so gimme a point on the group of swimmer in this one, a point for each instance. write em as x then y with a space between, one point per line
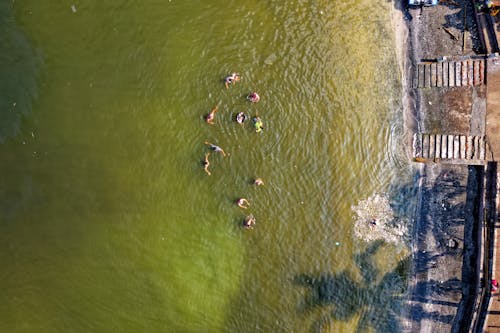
240 118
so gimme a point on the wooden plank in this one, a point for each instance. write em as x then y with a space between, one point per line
446 73
438 146
475 149
474 80
427 79
444 146
462 146
463 73
470 73
451 74
433 75
476 73
425 76
425 146
481 72
432 146
421 76
439 74
469 148
450 146
456 147
482 148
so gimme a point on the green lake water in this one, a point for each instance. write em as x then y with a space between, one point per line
108 221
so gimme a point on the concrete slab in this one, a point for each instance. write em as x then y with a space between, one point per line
446 110
441 243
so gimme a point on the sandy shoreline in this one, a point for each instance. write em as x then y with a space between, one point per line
404 50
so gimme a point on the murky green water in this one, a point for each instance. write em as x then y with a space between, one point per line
108 222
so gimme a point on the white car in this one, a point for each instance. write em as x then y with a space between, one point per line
422 2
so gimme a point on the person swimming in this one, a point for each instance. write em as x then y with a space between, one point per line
241 117
249 222
206 164
215 148
209 118
243 203
257 124
258 181
231 79
253 97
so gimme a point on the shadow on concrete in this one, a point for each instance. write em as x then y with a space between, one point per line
446 243
443 209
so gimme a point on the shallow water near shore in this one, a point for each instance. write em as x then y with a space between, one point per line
109 222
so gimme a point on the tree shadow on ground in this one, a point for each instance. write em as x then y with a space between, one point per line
19 64
445 236
444 200
445 206
377 299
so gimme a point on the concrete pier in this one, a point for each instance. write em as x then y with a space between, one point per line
454 99
492 316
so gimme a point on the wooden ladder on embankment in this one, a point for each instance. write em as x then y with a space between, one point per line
456 73
451 149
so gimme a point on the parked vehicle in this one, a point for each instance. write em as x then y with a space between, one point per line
425 3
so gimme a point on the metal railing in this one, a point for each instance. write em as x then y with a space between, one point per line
486 256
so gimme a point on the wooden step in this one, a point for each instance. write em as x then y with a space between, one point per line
449 148
468 72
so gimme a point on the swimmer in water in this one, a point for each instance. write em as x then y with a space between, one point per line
215 148
231 79
258 182
257 123
249 222
209 118
253 97
206 164
241 118
243 203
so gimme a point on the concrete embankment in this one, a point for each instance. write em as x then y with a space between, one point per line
445 95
